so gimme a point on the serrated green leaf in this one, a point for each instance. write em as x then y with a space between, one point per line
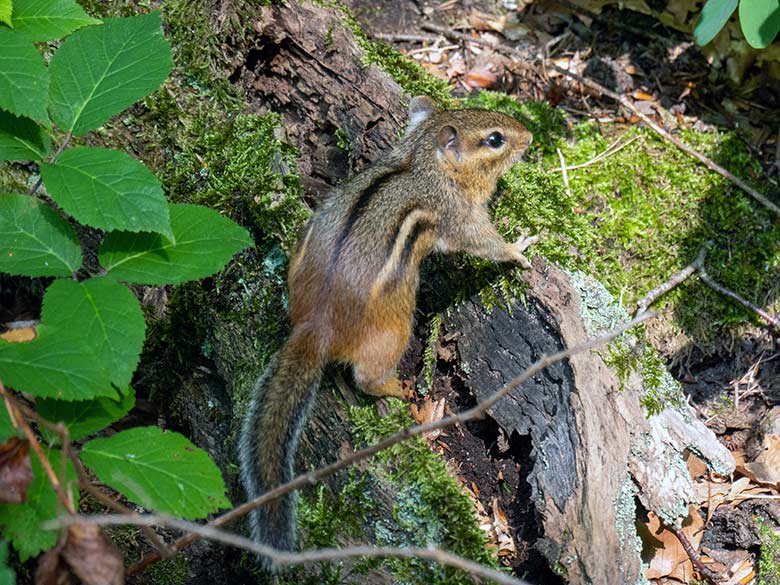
106 314
57 364
47 20
22 139
161 470
24 80
760 21
714 16
7 575
84 418
36 241
90 337
107 189
22 522
204 242
100 70
6 9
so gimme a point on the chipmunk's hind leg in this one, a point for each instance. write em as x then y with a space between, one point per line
375 361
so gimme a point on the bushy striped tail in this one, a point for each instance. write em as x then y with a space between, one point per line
280 406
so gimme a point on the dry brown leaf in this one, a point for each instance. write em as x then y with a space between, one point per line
15 470
642 96
19 335
92 557
506 544
431 411
696 467
669 558
52 569
765 468
482 21
742 573
481 77
457 67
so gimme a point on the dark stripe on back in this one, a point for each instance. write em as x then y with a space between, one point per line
357 209
397 227
419 229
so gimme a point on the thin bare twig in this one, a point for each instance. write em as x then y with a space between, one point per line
709 575
675 280
613 148
564 171
697 266
707 279
315 476
622 100
283 558
407 38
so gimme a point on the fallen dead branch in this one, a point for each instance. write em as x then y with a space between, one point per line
697 266
314 477
283 558
622 100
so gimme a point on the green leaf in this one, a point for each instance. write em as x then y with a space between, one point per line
106 315
57 364
47 20
22 522
85 417
714 16
36 241
161 470
100 70
760 21
7 429
24 80
107 189
22 139
7 575
6 9
204 242
90 338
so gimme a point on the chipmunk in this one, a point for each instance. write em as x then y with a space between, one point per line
354 276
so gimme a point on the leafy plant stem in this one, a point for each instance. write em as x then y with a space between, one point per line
51 159
15 412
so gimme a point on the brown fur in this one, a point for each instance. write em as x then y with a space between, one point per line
354 277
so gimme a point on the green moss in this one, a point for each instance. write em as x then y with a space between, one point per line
13 178
429 353
652 207
172 571
769 557
240 163
430 507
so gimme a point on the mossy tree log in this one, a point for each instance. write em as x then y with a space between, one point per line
595 448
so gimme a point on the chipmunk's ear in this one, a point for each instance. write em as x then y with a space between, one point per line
448 147
420 109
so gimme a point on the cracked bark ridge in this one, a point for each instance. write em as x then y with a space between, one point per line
304 63
594 447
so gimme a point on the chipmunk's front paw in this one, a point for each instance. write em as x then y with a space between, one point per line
520 246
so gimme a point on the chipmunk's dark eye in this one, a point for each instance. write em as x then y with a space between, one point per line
495 140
